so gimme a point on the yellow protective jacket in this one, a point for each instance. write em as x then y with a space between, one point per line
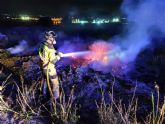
48 55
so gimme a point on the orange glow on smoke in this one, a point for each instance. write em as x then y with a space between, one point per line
99 52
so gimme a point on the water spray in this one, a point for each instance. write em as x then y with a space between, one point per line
76 54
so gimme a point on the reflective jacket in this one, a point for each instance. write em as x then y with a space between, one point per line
48 55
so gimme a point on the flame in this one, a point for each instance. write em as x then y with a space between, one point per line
105 60
99 52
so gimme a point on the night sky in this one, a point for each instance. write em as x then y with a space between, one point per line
60 7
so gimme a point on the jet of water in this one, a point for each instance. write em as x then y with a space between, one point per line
76 54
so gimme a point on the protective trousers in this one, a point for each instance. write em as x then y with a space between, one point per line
52 78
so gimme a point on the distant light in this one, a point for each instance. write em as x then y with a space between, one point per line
106 21
83 22
78 21
115 20
25 18
93 21
99 22
57 21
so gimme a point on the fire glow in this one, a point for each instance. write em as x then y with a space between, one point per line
97 52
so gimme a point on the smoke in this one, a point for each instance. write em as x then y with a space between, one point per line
2 36
145 21
3 40
21 47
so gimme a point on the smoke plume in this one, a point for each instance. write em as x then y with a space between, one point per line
21 47
145 21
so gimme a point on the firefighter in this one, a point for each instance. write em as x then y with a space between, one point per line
49 56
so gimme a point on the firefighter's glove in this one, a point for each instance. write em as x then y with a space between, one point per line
60 54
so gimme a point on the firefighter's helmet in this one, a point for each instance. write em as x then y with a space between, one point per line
50 33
